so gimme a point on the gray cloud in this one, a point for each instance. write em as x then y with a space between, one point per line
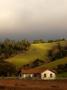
33 17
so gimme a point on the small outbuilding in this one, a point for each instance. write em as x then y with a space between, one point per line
38 73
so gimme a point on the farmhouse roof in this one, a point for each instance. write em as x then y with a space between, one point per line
35 70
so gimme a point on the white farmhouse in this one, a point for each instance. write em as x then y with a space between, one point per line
41 73
48 75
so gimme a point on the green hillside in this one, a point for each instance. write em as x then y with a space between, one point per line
55 63
36 51
62 75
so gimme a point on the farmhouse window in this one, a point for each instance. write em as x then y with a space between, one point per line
44 75
51 75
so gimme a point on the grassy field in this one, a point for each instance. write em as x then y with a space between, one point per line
62 75
36 51
55 63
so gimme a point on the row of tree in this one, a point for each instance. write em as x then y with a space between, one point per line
47 41
11 47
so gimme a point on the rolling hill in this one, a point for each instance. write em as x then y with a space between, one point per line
36 51
55 63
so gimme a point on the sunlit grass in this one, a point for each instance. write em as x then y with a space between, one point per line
36 51
56 63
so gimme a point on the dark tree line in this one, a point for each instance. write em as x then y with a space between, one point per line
61 68
38 41
57 40
47 41
7 69
11 47
35 63
58 51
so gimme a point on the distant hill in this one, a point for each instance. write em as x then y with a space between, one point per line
55 63
36 51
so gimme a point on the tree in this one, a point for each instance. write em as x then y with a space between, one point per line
7 69
50 41
56 52
36 63
9 48
38 41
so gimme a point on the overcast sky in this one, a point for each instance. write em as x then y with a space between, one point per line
33 18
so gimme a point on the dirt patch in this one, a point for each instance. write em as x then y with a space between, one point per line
33 85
